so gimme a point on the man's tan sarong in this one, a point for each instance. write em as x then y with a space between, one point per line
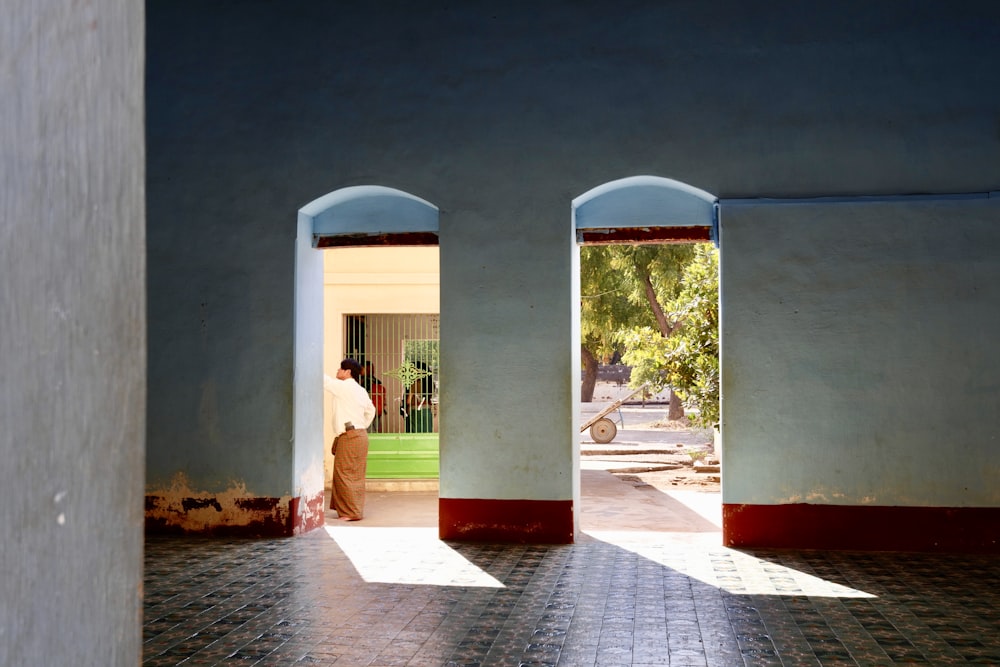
349 467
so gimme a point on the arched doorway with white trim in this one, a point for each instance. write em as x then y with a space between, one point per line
638 210
362 218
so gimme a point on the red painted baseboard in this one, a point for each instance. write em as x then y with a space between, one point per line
506 521
862 528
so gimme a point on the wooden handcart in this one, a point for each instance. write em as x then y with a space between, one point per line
604 430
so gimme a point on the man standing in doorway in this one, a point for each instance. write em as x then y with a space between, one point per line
353 411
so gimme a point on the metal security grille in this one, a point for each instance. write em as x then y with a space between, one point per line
400 354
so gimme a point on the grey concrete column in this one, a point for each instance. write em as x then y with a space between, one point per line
72 332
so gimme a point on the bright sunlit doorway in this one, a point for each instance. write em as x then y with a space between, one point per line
636 223
364 256
381 307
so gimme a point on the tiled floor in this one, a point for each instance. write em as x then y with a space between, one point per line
386 592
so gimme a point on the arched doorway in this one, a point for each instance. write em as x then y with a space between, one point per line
352 217
635 211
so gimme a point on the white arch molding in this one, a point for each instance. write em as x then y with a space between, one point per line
371 215
365 215
645 209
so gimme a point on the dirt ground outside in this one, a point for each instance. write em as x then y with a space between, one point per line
648 450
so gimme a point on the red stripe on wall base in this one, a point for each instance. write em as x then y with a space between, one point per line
506 521
862 528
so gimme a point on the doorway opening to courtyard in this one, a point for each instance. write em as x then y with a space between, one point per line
652 236
372 294
381 308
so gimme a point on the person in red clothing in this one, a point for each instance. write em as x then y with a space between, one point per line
376 390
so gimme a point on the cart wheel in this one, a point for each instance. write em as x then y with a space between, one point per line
603 431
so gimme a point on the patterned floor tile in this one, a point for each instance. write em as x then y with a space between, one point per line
389 597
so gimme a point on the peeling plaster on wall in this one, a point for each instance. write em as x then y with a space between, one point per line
309 511
818 495
308 514
826 496
529 528
181 508
312 478
822 495
831 496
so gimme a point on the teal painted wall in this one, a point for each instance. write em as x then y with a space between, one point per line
500 115
860 365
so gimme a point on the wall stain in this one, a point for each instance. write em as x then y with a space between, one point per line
179 509
198 503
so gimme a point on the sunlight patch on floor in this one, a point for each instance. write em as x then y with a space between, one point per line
735 571
407 556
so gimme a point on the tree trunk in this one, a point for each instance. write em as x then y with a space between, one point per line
654 304
676 410
590 364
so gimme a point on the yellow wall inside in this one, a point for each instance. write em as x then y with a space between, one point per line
371 280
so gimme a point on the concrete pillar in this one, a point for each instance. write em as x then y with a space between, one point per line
508 448
72 332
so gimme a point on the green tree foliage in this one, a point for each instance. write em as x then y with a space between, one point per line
604 304
603 307
688 359
622 287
